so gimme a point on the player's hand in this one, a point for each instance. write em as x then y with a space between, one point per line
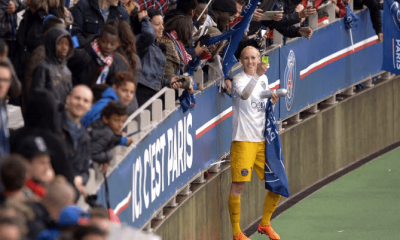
274 98
261 68
380 37
277 17
129 142
257 15
228 84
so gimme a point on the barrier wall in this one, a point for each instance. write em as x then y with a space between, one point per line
321 145
183 145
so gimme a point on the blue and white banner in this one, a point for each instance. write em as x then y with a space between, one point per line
275 173
391 36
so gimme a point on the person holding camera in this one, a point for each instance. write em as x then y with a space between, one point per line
248 142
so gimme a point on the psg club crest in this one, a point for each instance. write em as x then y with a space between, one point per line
289 78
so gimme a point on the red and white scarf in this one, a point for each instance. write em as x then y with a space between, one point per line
184 56
106 61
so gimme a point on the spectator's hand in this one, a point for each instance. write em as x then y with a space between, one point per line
274 98
78 182
306 32
69 19
307 11
104 167
191 90
11 8
199 50
380 37
277 17
261 68
257 15
142 14
129 142
174 83
228 84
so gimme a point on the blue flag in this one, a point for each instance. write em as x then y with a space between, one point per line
275 173
234 35
350 18
391 39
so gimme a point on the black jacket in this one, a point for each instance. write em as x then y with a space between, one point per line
85 66
53 73
29 37
88 19
79 156
7 29
103 140
41 222
41 121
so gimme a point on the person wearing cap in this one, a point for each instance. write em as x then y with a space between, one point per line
69 219
40 173
74 134
224 13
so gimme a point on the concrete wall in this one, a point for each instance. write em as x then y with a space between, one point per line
319 146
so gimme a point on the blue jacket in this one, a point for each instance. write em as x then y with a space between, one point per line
153 59
95 112
88 19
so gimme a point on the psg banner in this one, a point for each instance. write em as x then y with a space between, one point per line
391 36
275 173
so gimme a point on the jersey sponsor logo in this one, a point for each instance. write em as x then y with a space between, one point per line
259 106
263 85
289 79
244 172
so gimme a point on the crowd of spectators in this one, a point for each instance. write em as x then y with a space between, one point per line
78 72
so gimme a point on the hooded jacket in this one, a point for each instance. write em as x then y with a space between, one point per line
103 140
53 73
88 19
40 121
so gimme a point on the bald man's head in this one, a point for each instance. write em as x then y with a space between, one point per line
79 102
60 193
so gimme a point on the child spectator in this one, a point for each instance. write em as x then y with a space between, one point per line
13 176
40 173
53 74
123 90
96 62
106 133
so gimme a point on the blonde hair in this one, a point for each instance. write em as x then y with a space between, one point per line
248 47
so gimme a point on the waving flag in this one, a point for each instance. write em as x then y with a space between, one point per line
349 21
234 35
391 39
275 173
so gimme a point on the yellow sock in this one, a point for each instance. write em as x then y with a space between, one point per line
271 201
234 213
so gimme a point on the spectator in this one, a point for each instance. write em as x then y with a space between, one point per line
205 19
122 90
38 55
375 14
185 8
52 73
161 5
106 132
74 134
96 62
100 218
89 233
9 229
15 87
129 5
340 8
224 13
40 173
30 33
13 176
5 83
8 20
41 121
91 15
59 194
147 30
178 33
